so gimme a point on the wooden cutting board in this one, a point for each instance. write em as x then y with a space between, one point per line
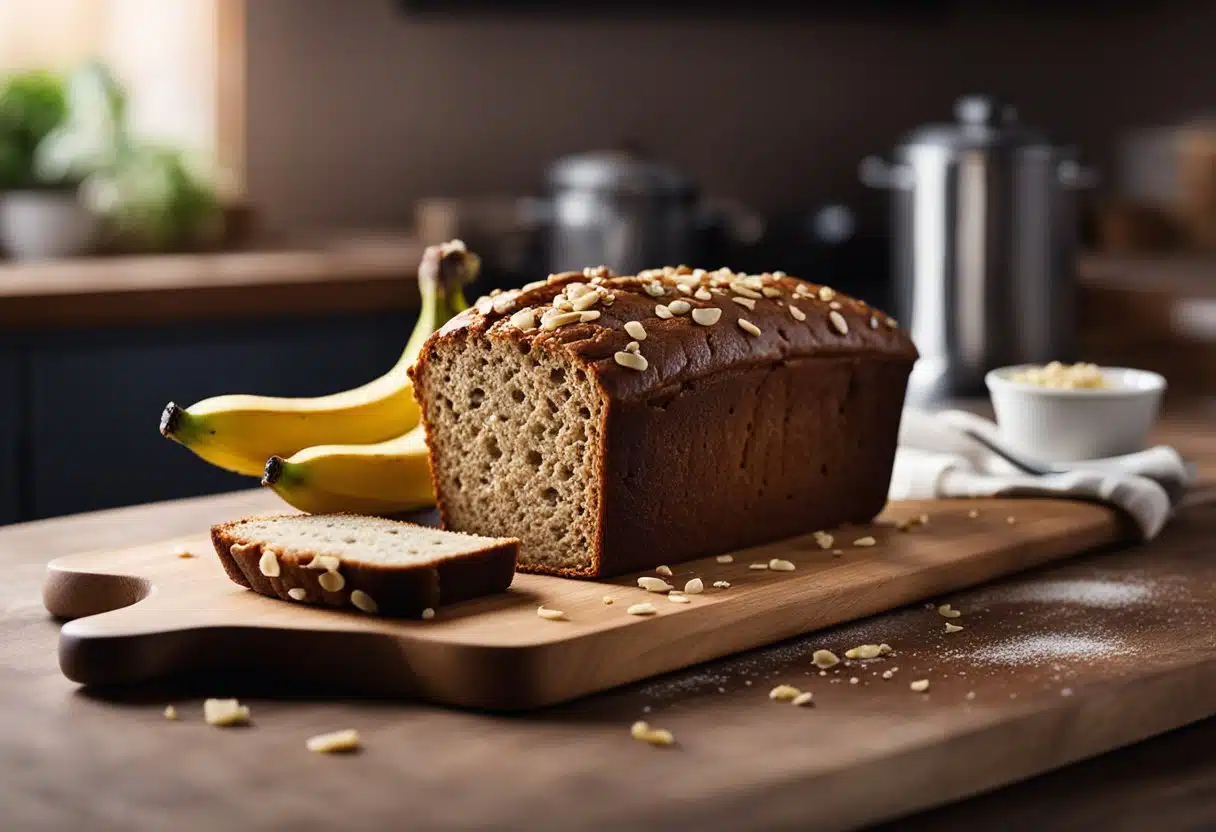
146 613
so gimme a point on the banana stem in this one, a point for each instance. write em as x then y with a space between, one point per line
442 275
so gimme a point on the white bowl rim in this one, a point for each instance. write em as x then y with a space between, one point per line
1151 384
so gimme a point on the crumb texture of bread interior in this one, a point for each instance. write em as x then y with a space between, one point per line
517 432
372 541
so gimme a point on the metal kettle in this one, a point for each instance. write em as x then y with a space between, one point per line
626 211
985 239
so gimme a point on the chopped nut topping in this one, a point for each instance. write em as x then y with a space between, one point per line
865 541
332 581
644 608
662 311
802 699
505 302
684 289
655 736
745 302
533 286
784 693
826 293
864 651
702 294
952 628
334 743
224 713
608 600
797 313
329 563
652 584
636 330
548 614
824 540
297 593
757 566
588 317
748 326
679 307
706 316
823 659
725 558
485 305
524 319
838 322
873 322
779 565
631 360
597 271
694 587
721 584
364 603
677 598
770 291
170 712
920 685
665 571
892 323
268 565
746 291
946 611
238 549
584 302
552 321
835 305
655 290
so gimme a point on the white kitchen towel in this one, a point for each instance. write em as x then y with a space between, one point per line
936 459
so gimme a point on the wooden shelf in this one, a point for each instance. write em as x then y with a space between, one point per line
340 276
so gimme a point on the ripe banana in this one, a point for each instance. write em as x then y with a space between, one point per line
387 478
239 432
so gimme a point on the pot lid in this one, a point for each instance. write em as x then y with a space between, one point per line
981 122
619 172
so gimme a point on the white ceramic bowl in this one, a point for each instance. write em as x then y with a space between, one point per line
1057 425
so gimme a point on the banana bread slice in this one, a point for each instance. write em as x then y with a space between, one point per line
379 566
614 423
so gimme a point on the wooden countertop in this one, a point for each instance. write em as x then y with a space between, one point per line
97 759
354 274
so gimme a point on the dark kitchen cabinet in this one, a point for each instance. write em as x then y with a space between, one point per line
10 436
93 399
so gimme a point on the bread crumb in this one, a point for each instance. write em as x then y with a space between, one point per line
224 713
970 695
887 674
973 514
642 732
694 587
952 628
335 742
722 584
644 608
665 571
824 539
608 599
784 693
865 541
725 558
803 698
824 659
181 552
779 565
946 611
1011 520
866 651
170 712
920 685
550 615
853 680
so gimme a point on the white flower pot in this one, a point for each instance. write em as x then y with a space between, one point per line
45 225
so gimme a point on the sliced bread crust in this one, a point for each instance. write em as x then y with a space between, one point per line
403 581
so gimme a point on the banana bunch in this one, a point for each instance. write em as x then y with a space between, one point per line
362 450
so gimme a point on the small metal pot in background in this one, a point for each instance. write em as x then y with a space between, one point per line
985 243
630 213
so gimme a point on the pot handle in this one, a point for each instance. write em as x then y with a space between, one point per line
1074 176
875 172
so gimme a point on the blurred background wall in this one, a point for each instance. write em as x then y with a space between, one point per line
353 106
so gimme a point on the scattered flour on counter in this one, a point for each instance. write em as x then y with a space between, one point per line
1086 593
1044 648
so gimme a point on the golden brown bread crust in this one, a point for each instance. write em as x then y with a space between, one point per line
400 590
727 438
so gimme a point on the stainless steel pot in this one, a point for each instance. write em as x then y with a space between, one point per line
984 246
630 213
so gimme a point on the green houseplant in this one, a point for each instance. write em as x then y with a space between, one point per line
41 215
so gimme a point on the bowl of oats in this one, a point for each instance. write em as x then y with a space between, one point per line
1068 412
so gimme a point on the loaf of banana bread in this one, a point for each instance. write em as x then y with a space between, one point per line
616 423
